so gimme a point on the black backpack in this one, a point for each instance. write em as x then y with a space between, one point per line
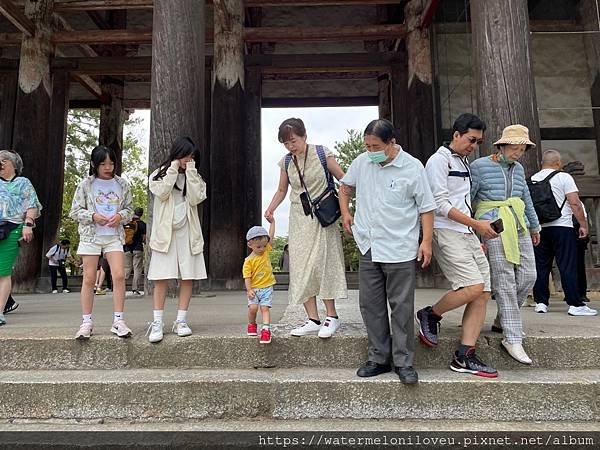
543 199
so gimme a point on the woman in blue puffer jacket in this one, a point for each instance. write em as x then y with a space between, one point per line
499 191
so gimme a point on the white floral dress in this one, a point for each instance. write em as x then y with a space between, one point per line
316 255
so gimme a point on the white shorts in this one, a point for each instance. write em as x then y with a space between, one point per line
104 244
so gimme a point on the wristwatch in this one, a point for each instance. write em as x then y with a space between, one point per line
29 224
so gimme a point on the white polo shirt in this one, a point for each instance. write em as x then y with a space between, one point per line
389 200
562 184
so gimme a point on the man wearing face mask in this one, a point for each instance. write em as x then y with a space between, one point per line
456 247
392 198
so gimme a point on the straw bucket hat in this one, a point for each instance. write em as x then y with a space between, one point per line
515 135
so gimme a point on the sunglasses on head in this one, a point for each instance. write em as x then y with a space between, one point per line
474 140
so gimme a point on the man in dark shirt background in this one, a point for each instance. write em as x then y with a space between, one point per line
134 252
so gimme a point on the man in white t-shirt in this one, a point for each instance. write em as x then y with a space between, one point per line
558 240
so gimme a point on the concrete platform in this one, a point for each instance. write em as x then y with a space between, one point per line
221 375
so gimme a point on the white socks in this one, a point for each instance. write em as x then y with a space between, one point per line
181 313
87 318
118 316
158 315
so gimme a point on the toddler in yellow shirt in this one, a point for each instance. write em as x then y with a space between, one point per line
259 279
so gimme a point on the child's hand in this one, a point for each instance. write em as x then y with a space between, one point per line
99 219
270 218
251 294
114 221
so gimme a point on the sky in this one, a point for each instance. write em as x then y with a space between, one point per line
324 126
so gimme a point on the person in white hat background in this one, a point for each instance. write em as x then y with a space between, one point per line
499 193
259 279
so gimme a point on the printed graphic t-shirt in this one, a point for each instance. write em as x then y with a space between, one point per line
107 198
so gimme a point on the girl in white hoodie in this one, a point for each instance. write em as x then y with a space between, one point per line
176 237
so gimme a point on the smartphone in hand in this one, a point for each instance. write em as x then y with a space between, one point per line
497 226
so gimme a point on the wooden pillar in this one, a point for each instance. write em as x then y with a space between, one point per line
39 136
8 97
112 117
177 89
227 158
399 91
112 114
588 16
385 106
420 120
503 77
252 146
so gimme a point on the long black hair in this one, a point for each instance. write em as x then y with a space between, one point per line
182 147
99 154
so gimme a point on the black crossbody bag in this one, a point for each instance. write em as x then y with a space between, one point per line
326 207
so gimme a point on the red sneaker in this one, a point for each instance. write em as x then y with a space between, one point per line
252 329
265 336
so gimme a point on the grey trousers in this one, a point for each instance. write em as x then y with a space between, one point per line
380 284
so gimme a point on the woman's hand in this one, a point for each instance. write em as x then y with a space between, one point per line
27 234
114 221
535 239
269 215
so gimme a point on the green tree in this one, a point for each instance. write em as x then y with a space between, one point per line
278 243
82 137
347 151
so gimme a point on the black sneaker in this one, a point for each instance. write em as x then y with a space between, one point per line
429 325
471 364
11 305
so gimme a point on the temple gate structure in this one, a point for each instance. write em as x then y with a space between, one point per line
206 69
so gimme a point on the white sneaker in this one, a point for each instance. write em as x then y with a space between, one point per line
155 332
55 291
309 327
540 308
181 328
517 352
121 329
66 291
330 326
85 331
581 311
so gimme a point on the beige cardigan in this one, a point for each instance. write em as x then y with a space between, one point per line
162 222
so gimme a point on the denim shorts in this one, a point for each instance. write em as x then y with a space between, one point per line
264 297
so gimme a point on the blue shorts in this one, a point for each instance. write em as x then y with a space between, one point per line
264 297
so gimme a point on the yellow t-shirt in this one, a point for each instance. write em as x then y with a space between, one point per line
259 269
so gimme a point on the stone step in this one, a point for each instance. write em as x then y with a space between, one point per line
237 351
167 394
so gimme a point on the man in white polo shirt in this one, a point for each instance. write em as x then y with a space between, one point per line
456 248
392 195
558 240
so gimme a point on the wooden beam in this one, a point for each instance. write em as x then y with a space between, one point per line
9 10
318 102
90 5
535 26
260 34
10 39
317 34
270 64
92 37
